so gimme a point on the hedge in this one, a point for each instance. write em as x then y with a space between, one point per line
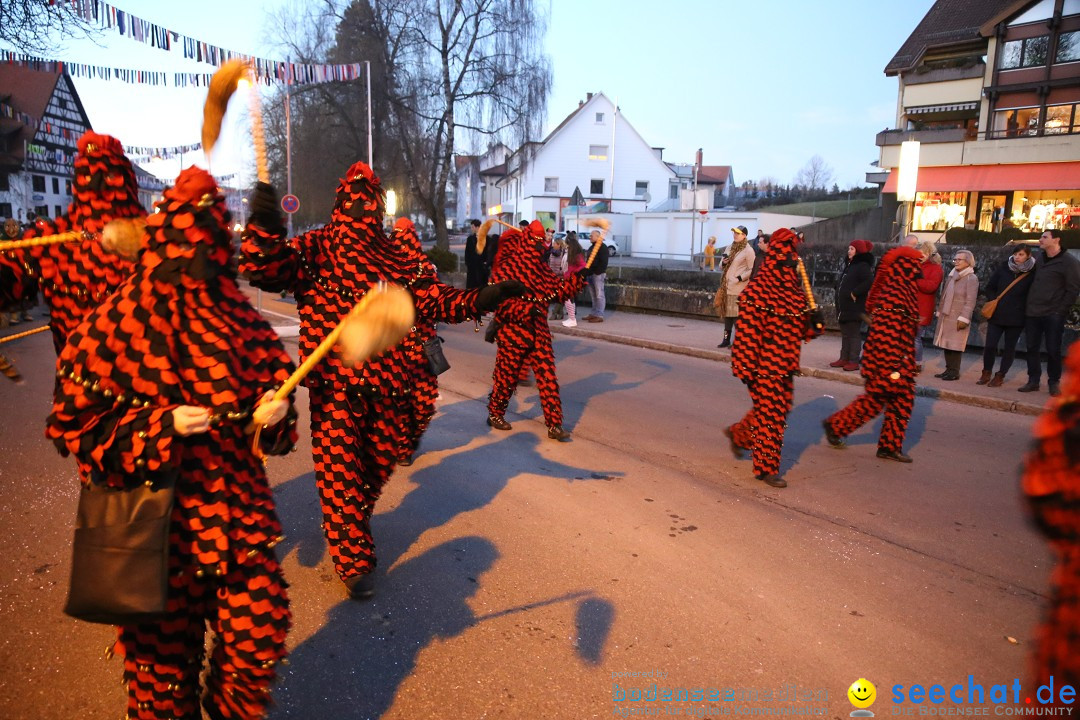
1070 239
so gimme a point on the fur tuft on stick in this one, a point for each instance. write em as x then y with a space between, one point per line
379 321
603 223
222 86
481 236
124 237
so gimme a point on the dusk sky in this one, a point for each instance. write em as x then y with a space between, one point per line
761 86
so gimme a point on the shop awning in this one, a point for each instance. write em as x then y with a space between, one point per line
1021 176
953 107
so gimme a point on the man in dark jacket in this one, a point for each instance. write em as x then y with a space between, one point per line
476 271
1056 285
598 277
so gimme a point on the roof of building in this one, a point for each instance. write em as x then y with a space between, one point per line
26 91
718 174
949 22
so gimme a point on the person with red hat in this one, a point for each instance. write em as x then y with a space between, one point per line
776 314
1051 484
888 365
851 292
75 277
523 336
419 405
165 381
358 414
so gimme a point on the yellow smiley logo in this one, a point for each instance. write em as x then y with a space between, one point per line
862 693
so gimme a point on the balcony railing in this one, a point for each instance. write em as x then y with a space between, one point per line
946 135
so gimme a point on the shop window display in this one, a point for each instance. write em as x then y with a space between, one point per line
939 211
1045 210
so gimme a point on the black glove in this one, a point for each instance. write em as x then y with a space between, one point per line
265 210
489 298
584 273
815 325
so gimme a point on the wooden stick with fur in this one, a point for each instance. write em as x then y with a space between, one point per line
222 86
122 236
379 321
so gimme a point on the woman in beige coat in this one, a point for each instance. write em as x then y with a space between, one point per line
737 265
955 311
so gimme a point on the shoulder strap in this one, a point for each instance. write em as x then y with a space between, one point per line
1009 286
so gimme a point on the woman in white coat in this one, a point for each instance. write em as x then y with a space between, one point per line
954 312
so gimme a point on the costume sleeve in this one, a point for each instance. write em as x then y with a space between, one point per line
268 261
124 439
12 281
438 302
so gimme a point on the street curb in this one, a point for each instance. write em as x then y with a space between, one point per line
1020 408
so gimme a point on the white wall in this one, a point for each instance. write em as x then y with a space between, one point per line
678 234
566 157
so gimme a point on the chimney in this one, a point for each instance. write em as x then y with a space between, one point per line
588 96
697 159
580 103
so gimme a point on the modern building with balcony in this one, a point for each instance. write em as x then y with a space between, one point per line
991 91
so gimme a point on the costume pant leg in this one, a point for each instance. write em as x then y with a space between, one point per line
857 413
421 409
250 618
514 344
547 382
772 398
743 431
163 659
898 408
355 441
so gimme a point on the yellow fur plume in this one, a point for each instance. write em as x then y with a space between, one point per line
481 236
603 223
222 86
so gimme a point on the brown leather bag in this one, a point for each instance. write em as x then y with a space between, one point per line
988 308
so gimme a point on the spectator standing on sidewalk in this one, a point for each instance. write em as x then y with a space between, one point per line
557 260
927 287
889 358
736 268
955 312
1010 284
851 293
1053 292
710 254
774 321
575 262
476 272
597 278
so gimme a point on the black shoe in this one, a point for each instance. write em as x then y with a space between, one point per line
835 440
1055 389
950 375
774 480
726 343
1029 386
736 449
894 455
555 432
498 423
360 587
941 375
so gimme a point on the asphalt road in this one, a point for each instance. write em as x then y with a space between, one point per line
523 578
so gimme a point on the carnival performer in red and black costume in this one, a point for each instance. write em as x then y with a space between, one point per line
523 336
166 377
888 359
419 405
357 413
1051 483
75 277
774 316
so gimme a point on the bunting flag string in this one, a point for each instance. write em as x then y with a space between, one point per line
278 73
140 152
267 71
10 112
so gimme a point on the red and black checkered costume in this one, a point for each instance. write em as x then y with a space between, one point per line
1051 483
419 405
769 331
523 336
357 413
179 332
75 277
888 359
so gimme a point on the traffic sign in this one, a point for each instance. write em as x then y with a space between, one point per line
290 204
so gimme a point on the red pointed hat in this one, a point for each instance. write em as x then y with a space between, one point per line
536 229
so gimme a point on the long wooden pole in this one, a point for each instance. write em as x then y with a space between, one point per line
46 240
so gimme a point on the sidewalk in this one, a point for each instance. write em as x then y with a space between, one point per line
698 338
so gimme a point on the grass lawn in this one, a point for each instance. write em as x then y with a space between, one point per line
822 209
